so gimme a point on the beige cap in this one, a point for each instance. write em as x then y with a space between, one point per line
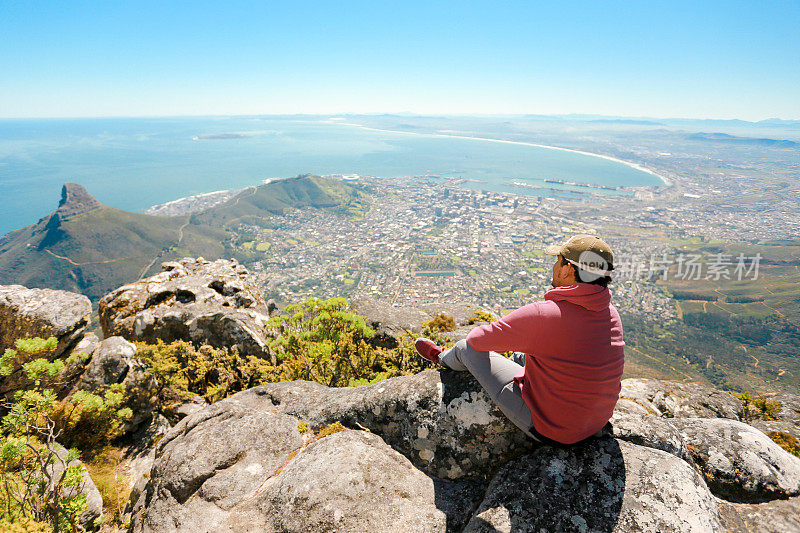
587 252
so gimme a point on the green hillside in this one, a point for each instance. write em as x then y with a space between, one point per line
255 204
87 247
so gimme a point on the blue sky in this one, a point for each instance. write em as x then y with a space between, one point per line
661 59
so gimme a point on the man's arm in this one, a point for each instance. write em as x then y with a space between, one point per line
517 331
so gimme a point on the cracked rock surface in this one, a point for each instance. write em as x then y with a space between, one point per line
26 313
740 462
430 450
215 303
608 485
42 313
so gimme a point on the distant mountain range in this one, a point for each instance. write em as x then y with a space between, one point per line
733 139
91 248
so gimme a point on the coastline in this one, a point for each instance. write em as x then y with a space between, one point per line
191 204
196 202
665 181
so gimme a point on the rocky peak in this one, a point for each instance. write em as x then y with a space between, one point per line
75 200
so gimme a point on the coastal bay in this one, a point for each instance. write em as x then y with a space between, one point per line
134 164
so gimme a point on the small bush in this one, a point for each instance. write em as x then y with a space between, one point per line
786 441
481 316
330 429
442 323
36 423
323 341
212 373
758 407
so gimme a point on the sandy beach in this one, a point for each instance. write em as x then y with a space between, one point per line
636 166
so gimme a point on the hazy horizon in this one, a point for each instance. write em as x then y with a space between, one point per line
566 116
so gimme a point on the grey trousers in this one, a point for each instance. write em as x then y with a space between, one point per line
495 373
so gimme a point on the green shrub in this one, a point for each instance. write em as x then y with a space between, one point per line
441 323
323 341
758 407
36 422
212 373
786 441
481 316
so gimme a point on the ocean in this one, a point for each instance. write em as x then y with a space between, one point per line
135 163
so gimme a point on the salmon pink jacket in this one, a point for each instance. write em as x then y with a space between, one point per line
573 358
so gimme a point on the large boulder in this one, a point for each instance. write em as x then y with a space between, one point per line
359 484
393 323
443 421
208 467
788 418
209 463
216 303
605 485
114 362
648 430
777 516
740 463
42 313
111 362
244 464
671 399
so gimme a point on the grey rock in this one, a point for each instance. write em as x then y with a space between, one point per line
217 470
215 303
779 426
111 362
778 516
391 323
114 362
140 456
651 431
351 481
209 463
75 366
460 333
42 313
740 463
630 407
674 400
87 345
185 407
787 420
94 501
441 420
604 485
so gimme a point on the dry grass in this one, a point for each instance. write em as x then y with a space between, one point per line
107 471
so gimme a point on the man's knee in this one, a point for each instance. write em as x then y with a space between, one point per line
465 351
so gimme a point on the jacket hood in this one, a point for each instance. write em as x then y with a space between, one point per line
588 296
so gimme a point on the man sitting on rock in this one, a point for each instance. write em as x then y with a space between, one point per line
561 385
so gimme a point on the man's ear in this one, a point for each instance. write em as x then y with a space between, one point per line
571 271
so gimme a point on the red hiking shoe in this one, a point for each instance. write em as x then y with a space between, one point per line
428 349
